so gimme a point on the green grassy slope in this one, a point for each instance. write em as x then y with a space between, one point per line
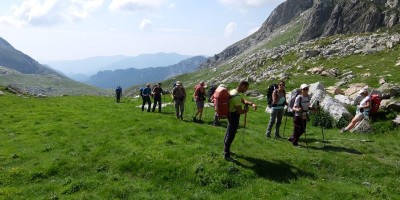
92 148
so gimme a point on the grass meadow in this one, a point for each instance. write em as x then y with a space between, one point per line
88 147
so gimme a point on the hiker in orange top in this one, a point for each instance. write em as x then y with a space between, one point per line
199 97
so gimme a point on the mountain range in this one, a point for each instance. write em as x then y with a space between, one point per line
292 22
133 76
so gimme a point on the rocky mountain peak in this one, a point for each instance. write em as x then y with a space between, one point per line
5 45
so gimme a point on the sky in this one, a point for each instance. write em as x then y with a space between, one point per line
54 30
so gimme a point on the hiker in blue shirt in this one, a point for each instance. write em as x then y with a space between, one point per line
146 97
118 93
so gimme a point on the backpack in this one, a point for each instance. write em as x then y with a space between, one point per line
293 96
141 91
270 90
375 103
200 95
211 93
221 102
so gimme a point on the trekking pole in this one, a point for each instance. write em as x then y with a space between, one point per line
322 127
284 127
245 121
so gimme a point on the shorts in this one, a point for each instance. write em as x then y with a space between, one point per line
200 104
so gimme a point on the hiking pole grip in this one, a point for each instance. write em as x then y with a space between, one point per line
246 107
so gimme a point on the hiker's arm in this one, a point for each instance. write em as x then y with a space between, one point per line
246 102
275 97
367 104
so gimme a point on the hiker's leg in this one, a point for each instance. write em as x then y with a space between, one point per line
233 124
148 104
354 121
144 102
279 117
182 107
154 105
271 122
177 102
159 105
297 122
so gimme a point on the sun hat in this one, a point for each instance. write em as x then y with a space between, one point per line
302 86
178 83
362 91
222 85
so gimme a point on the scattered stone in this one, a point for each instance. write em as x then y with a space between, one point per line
1 93
382 81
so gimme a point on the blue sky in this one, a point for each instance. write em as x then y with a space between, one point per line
49 30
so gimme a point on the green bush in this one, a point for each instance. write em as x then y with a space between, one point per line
322 119
342 123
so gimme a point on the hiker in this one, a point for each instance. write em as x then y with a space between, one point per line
179 97
118 93
300 108
199 97
235 110
216 121
363 110
277 105
157 91
146 97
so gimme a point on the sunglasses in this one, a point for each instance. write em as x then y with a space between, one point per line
305 88
281 84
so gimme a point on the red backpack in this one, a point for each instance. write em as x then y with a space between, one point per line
375 103
221 102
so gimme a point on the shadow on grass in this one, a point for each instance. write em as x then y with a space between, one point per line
278 171
336 149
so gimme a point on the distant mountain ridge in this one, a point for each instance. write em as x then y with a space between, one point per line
90 66
133 76
18 61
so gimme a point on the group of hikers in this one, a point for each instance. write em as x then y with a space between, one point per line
231 104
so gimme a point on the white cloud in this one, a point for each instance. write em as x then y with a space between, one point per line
50 12
145 25
247 4
135 5
230 29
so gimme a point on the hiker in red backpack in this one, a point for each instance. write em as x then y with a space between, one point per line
362 111
199 97
235 110
219 98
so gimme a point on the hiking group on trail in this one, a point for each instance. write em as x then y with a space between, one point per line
230 105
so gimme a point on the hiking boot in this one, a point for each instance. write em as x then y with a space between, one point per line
343 130
229 159
290 139
181 117
268 136
201 121
277 136
295 144
194 119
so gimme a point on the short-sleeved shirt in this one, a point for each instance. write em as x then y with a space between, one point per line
146 92
304 104
236 100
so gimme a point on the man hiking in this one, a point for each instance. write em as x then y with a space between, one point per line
235 110
118 93
157 91
146 97
199 97
179 96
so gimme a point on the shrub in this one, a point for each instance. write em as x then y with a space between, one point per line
322 119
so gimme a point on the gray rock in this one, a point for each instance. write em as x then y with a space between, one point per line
397 120
362 127
394 106
343 99
1 93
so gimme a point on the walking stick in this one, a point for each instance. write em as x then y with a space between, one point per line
284 127
245 121
322 127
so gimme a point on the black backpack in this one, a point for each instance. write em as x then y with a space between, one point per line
271 89
211 92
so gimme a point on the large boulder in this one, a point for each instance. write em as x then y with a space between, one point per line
397 120
362 127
